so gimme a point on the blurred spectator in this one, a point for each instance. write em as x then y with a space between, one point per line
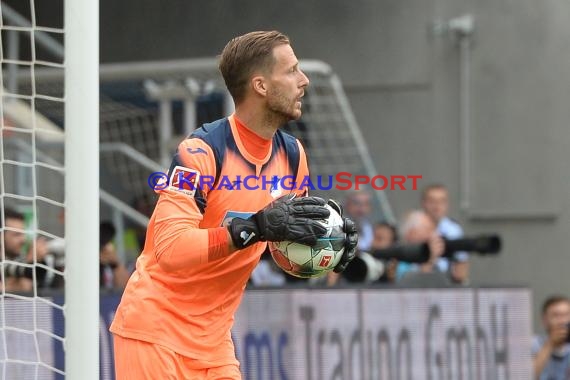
419 228
55 258
385 235
18 277
13 244
14 236
113 273
365 268
358 207
39 253
435 202
551 352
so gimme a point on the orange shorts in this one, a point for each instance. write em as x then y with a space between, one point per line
139 360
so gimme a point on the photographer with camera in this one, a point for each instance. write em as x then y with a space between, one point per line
418 253
419 228
435 202
12 245
20 273
385 235
551 352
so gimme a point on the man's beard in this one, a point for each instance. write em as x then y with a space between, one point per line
283 108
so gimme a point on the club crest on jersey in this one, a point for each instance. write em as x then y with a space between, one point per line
275 190
184 180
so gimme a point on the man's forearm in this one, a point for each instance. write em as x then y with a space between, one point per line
231 246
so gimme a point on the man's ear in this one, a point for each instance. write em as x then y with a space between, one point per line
259 85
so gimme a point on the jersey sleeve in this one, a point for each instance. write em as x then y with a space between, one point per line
178 240
302 171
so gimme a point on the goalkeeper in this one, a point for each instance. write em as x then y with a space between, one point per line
202 243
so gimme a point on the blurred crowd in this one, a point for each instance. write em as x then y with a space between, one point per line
36 263
430 223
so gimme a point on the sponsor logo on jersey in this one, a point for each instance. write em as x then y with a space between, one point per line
234 214
196 151
184 180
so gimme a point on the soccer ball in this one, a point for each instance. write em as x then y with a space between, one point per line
300 260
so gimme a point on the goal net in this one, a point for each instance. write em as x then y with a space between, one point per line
40 202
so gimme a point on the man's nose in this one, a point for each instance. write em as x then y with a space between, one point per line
304 80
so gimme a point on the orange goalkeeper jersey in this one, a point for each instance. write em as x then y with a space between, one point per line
181 295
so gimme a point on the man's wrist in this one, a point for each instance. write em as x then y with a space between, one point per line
244 232
551 346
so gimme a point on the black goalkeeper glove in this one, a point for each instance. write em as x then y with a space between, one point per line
351 242
288 218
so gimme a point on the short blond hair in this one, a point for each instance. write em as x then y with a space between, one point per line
245 54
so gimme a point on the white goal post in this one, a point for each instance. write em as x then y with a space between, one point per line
82 189
46 206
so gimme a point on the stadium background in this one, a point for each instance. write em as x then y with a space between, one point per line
402 78
403 85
